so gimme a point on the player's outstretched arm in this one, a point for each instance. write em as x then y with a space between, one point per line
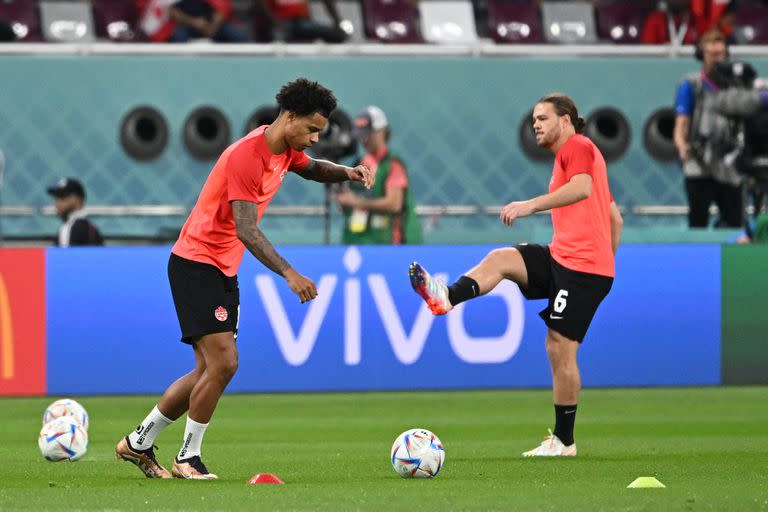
329 172
246 217
579 187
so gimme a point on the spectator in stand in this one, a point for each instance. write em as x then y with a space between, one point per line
291 19
180 20
671 23
713 15
205 19
682 22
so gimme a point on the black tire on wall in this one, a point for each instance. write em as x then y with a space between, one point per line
206 133
265 114
528 140
144 133
610 131
658 134
336 140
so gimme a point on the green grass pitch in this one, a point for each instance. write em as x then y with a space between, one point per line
709 446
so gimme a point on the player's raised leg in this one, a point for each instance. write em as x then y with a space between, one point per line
138 446
220 353
566 384
504 263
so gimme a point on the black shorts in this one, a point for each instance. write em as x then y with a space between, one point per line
573 296
206 300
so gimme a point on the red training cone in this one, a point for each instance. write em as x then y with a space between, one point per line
265 478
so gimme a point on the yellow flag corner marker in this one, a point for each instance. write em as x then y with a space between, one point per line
646 482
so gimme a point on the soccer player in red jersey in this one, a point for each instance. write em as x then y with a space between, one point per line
202 269
575 272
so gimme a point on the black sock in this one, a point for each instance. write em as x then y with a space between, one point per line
565 418
464 288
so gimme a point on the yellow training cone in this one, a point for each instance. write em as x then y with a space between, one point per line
646 482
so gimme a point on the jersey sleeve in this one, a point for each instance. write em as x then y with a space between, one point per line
244 171
299 160
684 99
578 159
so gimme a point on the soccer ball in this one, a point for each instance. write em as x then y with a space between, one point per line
417 453
63 439
66 407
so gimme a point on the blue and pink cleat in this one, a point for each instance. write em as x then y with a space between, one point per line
434 292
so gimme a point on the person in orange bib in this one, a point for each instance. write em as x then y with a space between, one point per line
203 265
574 272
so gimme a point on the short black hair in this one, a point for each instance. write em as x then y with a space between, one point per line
304 97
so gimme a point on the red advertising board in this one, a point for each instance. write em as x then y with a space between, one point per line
22 322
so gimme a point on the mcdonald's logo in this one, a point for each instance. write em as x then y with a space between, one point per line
6 333
22 322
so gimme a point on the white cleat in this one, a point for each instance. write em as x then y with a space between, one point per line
552 446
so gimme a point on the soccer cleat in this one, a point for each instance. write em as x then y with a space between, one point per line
552 446
143 459
434 292
192 469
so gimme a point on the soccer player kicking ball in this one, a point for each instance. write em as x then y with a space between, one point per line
575 272
203 266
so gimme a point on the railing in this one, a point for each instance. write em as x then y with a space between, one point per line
483 48
423 210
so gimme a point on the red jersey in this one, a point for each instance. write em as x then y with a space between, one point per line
247 171
582 239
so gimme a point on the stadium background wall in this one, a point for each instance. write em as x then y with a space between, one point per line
461 145
102 307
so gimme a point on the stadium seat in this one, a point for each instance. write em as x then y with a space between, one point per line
23 17
391 21
621 23
116 20
513 22
751 22
351 17
67 22
448 21
569 23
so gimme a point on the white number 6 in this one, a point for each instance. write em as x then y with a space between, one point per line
560 301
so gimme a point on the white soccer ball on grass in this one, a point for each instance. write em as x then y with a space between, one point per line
417 453
63 438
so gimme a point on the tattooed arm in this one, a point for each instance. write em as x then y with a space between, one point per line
246 217
328 172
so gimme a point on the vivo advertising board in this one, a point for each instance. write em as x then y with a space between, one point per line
112 326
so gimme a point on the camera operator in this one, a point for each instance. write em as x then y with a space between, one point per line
744 101
705 139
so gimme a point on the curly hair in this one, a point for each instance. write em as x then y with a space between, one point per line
565 106
304 97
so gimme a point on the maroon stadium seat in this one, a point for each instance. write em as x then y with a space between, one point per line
514 22
117 20
22 15
391 21
621 22
751 22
